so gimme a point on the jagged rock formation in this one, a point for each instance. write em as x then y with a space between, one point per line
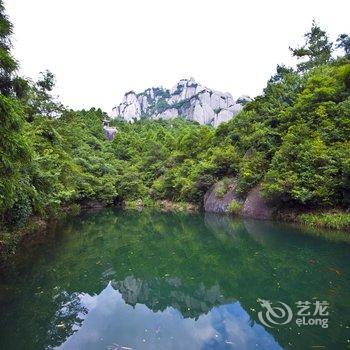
158 294
187 99
108 130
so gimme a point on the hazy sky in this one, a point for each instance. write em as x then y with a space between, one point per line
101 49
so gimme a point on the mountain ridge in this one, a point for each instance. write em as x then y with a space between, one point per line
187 99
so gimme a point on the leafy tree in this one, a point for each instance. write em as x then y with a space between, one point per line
39 99
293 138
8 65
14 148
343 42
317 49
302 170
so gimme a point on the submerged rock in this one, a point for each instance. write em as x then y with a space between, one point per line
187 99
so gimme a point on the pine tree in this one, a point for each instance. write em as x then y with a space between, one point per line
343 42
317 49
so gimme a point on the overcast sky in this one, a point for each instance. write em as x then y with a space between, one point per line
98 50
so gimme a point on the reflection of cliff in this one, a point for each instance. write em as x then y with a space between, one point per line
110 323
158 294
191 263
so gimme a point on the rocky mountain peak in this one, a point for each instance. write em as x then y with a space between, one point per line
187 99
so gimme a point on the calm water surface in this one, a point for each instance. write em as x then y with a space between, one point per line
149 280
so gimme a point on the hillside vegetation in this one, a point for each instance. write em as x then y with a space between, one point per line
294 138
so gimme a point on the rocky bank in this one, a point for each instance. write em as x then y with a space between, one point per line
252 206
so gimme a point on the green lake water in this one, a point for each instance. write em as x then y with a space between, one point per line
149 280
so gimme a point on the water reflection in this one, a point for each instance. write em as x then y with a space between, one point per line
161 281
109 321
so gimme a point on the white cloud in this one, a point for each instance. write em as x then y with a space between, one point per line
101 49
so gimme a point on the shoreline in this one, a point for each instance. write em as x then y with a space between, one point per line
331 221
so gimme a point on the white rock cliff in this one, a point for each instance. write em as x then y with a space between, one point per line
187 99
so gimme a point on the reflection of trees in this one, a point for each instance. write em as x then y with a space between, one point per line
185 261
67 319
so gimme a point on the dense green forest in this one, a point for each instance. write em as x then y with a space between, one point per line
294 139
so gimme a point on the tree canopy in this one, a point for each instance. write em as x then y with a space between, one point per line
293 139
